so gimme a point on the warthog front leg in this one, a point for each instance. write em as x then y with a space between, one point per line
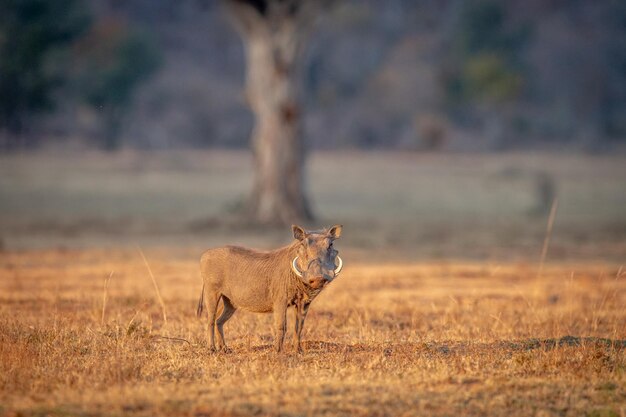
280 325
300 311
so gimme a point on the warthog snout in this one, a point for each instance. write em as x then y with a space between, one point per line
319 273
264 282
317 282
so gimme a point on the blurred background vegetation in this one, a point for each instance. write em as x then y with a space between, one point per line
403 74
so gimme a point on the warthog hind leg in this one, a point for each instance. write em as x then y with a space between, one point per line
212 299
227 313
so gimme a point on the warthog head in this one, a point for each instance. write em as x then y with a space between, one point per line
317 262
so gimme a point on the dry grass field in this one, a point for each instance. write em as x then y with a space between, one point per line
440 309
383 340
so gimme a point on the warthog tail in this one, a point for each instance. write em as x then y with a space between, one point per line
200 303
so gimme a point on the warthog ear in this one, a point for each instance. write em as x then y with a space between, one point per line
335 231
298 232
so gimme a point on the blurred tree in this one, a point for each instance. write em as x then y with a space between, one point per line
273 32
32 33
484 69
488 78
111 61
613 105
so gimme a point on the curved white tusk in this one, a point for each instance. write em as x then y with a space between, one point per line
294 267
338 269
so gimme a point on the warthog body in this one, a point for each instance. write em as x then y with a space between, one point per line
268 282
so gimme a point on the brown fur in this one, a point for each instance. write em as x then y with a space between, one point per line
263 282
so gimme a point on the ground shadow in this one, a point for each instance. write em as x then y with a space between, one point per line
449 347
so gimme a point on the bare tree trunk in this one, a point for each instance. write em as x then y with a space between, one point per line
272 38
278 194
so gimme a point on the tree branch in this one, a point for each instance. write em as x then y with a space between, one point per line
247 15
250 16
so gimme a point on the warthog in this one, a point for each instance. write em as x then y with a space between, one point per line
269 282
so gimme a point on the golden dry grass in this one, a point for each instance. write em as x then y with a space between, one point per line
383 340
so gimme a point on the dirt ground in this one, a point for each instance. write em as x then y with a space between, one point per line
442 308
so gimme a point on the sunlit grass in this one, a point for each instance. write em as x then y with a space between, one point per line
384 339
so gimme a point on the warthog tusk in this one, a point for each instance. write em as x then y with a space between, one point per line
294 267
338 269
